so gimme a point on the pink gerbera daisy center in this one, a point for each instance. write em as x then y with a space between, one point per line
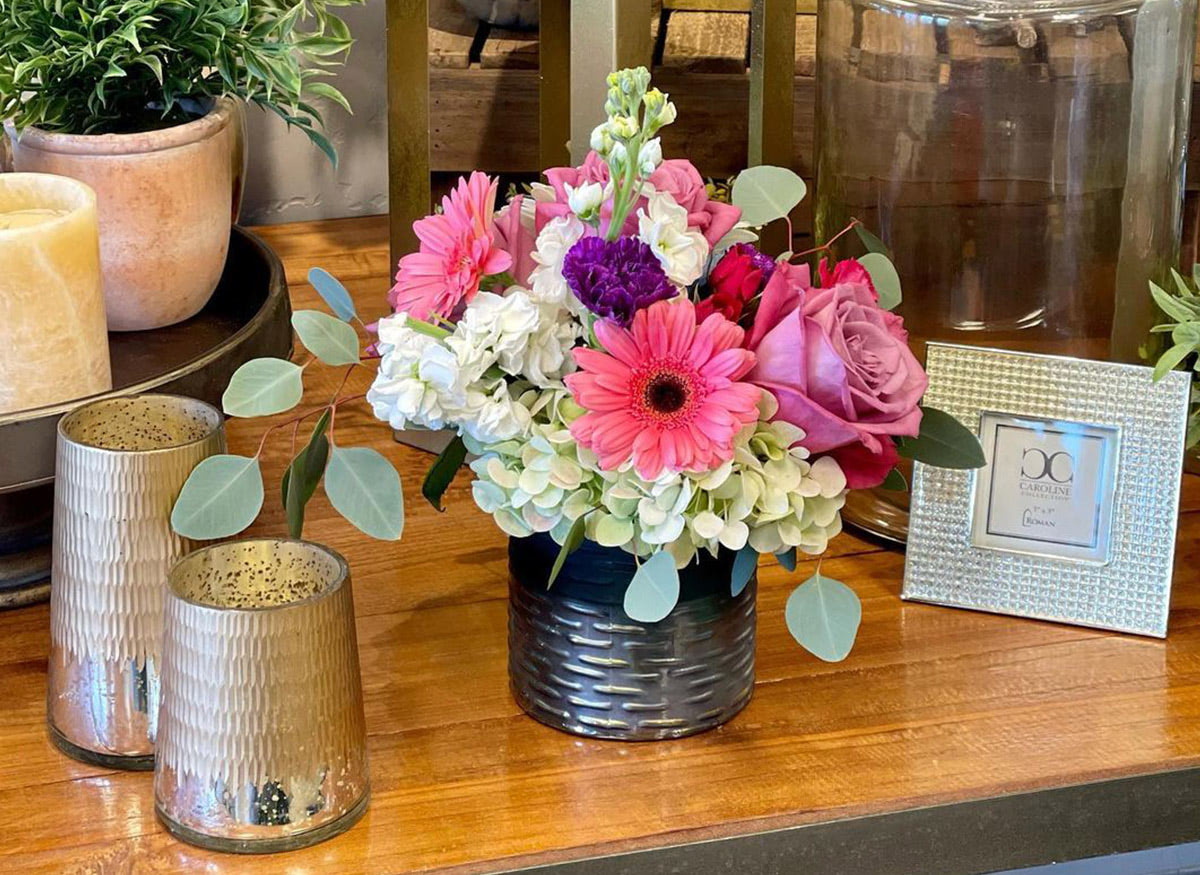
666 392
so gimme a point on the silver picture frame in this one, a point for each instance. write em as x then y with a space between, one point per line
1073 518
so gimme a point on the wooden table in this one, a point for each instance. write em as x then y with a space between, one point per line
949 741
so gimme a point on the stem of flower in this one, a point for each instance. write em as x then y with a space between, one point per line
828 243
426 328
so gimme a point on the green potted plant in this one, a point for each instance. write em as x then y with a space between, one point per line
141 99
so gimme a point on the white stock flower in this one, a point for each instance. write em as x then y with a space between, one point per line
585 200
663 226
650 156
492 415
419 381
546 283
496 329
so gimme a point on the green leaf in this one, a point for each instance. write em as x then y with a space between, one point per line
324 89
364 488
1172 306
654 590
262 387
443 471
871 242
303 474
943 442
1196 274
787 558
220 498
331 340
823 615
332 293
570 544
745 564
1181 284
767 193
895 482
884 278
1171 359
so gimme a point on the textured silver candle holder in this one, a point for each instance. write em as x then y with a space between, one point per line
262 741
121 463
578 663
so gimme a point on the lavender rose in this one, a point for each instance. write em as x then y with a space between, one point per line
839 366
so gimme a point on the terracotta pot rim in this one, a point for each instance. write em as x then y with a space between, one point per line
206 126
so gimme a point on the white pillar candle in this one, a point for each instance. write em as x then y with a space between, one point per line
53 336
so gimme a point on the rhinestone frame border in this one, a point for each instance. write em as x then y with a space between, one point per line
1131 593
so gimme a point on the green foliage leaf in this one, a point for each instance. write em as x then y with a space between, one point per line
1176 308
787 558
570 544
220 498
443 471
364 488
331 340
1171 359
767 193
943 442
303 474
895 481
654 590
871 242
745 564
262 387
823 616
118 66
1181 285
884 277
332 293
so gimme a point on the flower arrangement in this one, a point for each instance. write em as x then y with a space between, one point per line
625 366
122 66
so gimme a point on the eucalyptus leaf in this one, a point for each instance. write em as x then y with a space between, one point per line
654 590
871 242
220 498
745 564
570 544
943 442
884 277
442 471
823 616
767 193
364 488
331 340
895 482
303 474
787 558
332 293
262 387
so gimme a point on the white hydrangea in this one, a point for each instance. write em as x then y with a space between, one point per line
769 495
546 283
663 226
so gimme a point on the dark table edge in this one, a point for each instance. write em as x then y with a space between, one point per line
963 838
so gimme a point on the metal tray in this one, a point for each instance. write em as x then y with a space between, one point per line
248 316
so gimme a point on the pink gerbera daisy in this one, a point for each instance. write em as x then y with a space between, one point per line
458 249
665 391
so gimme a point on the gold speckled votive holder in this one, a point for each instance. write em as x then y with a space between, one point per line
121 463
262 741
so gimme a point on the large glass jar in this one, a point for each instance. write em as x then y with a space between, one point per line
1023 161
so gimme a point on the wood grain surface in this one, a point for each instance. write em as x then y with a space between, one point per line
934 704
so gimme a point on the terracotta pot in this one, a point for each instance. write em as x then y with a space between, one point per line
166 198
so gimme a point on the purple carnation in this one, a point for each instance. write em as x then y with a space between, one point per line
616 278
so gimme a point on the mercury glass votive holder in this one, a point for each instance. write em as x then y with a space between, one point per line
262 740
121 463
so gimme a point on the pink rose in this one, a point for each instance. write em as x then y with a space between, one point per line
839 366
516 237
682 181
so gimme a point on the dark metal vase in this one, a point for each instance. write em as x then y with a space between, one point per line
578 663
